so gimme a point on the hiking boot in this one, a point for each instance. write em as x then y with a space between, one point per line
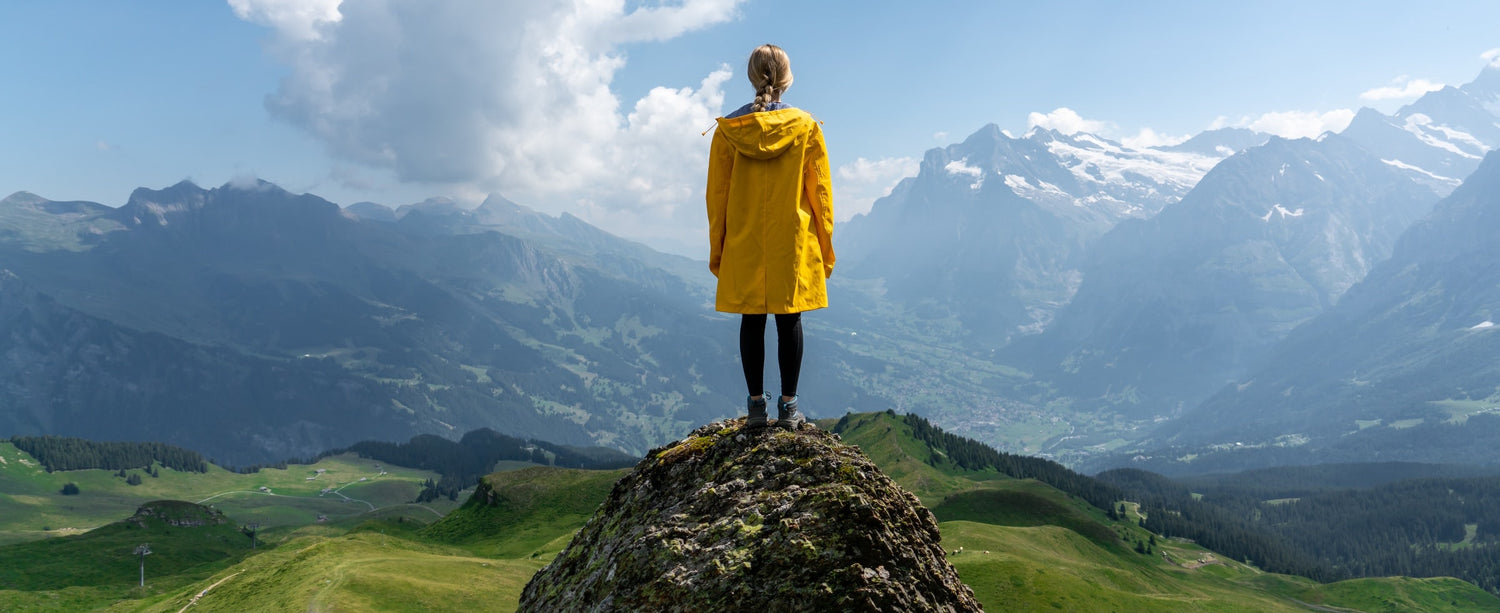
787 415
757 418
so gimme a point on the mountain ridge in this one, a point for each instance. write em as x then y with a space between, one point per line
1409 361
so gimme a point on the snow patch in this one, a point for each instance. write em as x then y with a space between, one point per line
1404 166
1421 126
1111 161
1283 211
1025 189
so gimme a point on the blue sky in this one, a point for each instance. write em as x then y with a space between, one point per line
595 107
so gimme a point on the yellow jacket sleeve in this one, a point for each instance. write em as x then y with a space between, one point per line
817 182
720 166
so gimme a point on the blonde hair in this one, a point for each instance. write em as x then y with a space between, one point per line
770 71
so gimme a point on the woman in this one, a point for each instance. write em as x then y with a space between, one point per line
770 227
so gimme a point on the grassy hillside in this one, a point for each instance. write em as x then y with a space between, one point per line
1020 544
188 543
528 512
378 568
32 507
1050 551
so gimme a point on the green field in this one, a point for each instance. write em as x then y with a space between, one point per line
1020 544
31 506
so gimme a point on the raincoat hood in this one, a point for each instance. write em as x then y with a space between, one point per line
767 134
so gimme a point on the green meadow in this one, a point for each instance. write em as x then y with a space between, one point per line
338 488
1020 544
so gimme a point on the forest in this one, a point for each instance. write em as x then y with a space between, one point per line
66 453
462 463
1418 527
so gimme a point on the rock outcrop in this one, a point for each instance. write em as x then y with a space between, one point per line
176 513
730 519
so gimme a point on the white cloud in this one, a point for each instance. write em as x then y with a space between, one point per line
1492 56
297 19
962 167
1149 138
1401 88
940 136
858 184
508 96
1066 121
1299 124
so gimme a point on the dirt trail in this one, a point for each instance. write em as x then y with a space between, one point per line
205 592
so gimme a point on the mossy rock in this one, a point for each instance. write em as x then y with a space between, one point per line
766 520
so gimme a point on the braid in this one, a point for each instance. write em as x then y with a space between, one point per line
764 96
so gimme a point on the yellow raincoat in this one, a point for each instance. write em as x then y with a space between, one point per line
770 213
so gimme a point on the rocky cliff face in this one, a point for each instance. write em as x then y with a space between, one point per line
762 520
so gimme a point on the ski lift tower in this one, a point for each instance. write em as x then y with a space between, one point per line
143 550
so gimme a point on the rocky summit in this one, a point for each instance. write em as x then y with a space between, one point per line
735 519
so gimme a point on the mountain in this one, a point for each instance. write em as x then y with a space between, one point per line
1172 307
1402 368
1440 138
1219 143
991 230
372 211
254 325
65 371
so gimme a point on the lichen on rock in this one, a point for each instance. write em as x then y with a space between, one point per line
733 519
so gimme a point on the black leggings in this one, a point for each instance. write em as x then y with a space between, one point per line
788 351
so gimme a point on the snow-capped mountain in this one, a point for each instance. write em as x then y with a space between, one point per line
1173 306
1440 138
990 230
1113 180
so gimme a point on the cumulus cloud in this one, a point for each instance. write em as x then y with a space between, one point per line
858 184
1492 56
1401 88
1150 138
297 19
962 167
509 96
1299 124
1066 121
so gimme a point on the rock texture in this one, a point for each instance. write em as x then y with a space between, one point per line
730 519
176 513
